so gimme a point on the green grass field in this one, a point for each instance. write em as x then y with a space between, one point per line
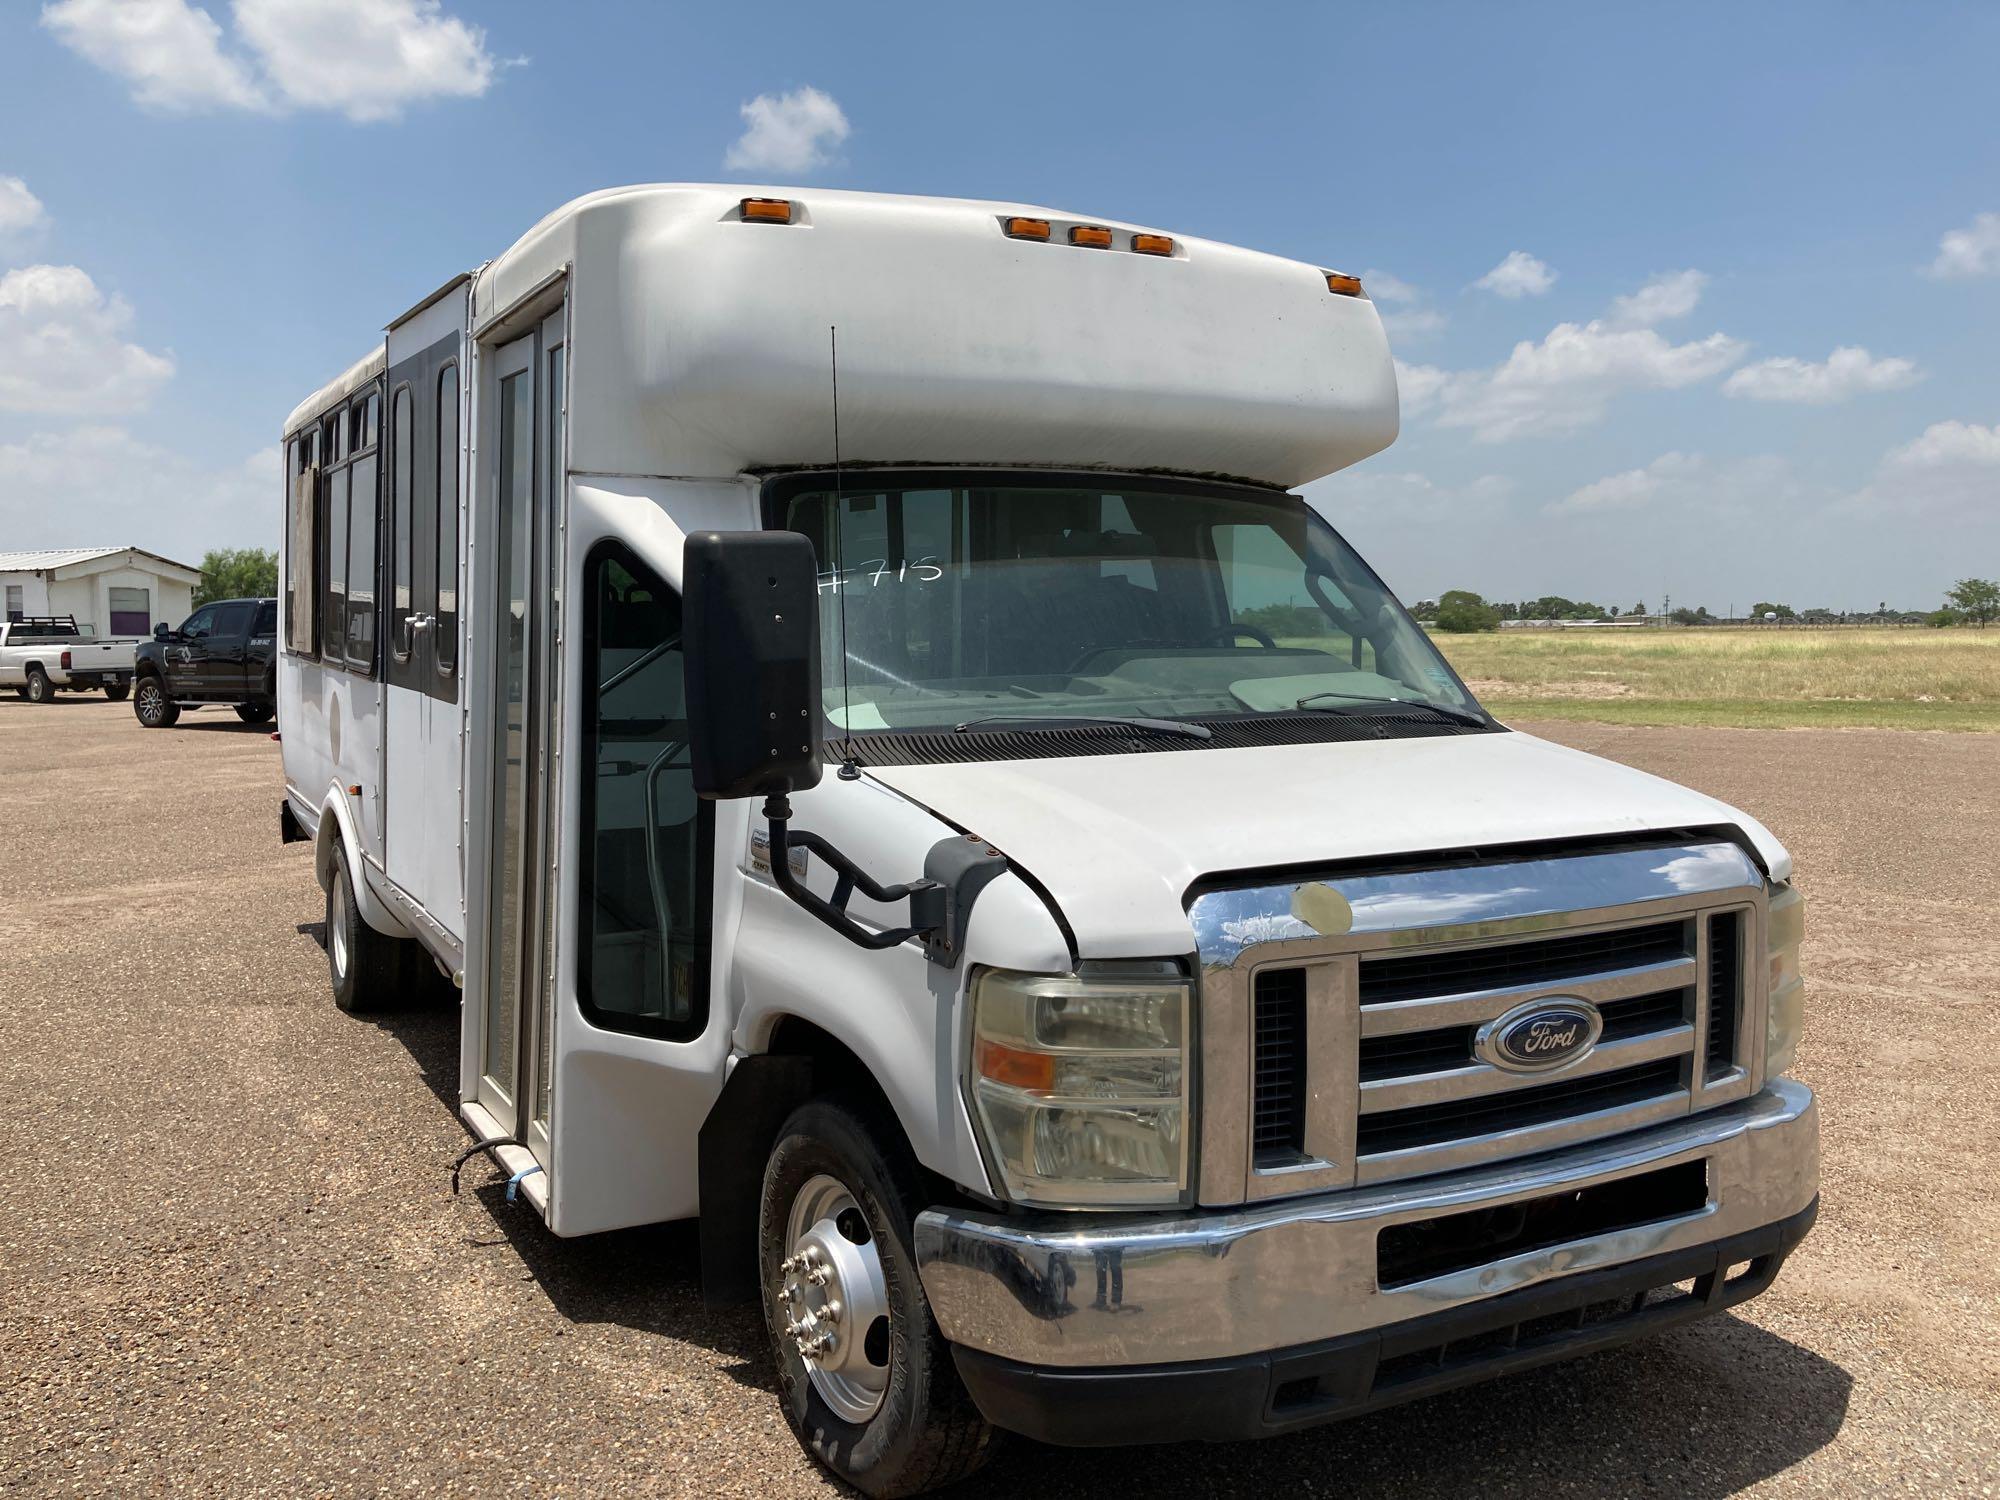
1757 678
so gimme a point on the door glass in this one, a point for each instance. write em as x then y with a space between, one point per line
517 483
402 441
232 621
643 920
445 632
545 1030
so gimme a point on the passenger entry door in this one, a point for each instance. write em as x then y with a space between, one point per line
522 481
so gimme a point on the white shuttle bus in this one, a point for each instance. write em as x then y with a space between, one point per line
847 688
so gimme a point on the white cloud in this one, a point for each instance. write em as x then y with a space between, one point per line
1951 467
20 210
1568 379
1407 495
1519 275
63 347
169 51
1660 300
1687 482
101 482
366 59
793 132
1404 309
1844 374
1971 251
1419 386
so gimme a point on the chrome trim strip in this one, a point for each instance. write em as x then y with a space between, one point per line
1525 1140
1486 1081
1394 1017
1211 1285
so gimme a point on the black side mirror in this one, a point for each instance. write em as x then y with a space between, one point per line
752 655
160 631
751 632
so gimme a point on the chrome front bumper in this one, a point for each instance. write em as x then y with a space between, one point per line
1058 1290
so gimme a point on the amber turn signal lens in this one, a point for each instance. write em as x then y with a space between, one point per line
1153 244
1090 234
767 211
1028 229
1346 286
1011 1065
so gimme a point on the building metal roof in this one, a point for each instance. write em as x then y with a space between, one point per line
48 559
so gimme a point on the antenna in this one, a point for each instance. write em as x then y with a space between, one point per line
850 768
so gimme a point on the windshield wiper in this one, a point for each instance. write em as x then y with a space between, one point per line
1312 700
1060 721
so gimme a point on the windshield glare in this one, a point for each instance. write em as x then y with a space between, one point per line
1036 601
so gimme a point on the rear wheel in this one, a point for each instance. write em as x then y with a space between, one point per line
370 970
152 707
39 688
116 691
866 1380
253 713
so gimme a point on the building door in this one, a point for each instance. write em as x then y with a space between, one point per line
523 427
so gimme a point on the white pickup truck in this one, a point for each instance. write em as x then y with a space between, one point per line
41 655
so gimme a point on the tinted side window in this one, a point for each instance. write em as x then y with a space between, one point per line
446 629
200 623
402 497
232 621
267 619
643 925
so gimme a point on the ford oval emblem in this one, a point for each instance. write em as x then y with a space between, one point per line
1540 1036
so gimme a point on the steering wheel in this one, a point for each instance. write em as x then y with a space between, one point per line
1228 634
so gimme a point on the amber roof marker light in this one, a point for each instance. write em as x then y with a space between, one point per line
767 210
1093 236
1153 244
1342 284
1019 228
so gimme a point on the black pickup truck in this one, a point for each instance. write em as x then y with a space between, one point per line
225 652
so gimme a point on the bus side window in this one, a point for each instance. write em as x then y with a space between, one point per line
445 632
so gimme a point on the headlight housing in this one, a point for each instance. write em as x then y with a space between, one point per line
1785 1010
1079 1083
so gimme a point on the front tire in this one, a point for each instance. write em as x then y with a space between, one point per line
368 968
39 689
152 707
869 1388
117 691
254 713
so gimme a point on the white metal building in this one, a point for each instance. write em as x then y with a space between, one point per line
110 590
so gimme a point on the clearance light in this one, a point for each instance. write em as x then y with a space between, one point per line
1028 229
767 211
1091 235
1153 244
1345 286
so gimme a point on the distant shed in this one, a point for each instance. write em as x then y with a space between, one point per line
110 590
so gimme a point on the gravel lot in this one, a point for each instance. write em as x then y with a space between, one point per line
232 1263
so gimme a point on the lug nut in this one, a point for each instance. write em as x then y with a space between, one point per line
831 1312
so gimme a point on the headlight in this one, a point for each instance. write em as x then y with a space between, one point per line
1786 1010
1079 1083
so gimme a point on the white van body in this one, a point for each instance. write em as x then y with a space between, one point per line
651 363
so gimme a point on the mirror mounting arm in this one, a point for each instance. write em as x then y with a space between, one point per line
926 897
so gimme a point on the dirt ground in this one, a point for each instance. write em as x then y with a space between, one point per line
230 1262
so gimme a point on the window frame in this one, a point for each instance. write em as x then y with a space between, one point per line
444 641
654 1027
368 666
400 569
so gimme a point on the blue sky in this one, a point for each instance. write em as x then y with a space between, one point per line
1617 247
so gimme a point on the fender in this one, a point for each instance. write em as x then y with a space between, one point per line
337 824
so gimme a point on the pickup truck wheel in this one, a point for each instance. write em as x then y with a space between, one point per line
39 689
866 1380
116 691
253 713
368 968
152 707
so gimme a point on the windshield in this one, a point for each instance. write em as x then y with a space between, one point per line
1031 600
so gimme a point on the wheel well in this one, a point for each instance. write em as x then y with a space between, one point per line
801 1061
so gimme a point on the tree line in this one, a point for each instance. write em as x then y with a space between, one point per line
1970 601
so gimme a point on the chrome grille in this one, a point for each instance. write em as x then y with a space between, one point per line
1390 1085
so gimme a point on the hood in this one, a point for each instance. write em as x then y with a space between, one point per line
1117 840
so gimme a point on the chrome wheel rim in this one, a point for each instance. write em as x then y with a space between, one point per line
336 923
149 699
834 1298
